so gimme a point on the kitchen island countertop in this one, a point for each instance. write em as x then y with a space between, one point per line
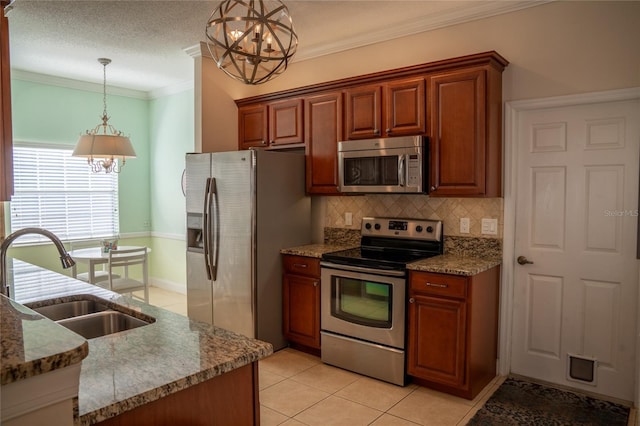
125 370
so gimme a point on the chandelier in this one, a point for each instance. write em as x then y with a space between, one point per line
251 41
104 145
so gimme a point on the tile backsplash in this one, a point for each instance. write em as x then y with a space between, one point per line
449 210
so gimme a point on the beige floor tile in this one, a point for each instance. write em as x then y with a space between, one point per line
269 417
374 393
178 308
325 377
293 422
427 407
287 363
338 411
290 397
389 420
267 378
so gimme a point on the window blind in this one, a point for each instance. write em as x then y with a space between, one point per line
60 193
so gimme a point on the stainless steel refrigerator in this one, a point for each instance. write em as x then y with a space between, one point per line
243 207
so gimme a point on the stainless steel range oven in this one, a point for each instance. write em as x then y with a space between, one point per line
363 296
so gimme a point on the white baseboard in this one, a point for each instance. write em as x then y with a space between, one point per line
168 285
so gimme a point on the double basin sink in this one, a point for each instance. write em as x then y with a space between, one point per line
92 318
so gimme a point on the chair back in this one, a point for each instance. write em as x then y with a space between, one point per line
128 257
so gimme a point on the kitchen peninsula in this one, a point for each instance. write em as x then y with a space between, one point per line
172 371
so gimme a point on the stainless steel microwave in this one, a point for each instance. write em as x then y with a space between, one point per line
383 165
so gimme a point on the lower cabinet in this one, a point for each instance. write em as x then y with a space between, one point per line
301 302
453 331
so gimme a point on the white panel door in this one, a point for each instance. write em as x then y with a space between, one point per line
576 219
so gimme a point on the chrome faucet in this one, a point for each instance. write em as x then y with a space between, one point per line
66 260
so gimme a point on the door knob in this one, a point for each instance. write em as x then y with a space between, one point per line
523 260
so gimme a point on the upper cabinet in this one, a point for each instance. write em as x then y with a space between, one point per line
271 125
323 130
6 141
395 108
465 136
252 126
456 103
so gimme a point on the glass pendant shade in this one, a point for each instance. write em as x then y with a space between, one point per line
104 145
251 41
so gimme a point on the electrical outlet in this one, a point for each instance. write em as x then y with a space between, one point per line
348 218
490 226
464 225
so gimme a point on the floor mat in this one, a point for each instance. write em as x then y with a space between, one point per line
517 402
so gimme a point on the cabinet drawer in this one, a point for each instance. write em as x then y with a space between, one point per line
301 265
438 284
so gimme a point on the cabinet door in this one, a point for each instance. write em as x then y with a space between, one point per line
323 121
285 122
458 133
437 340
363 112
405 107
6 138
302 309
252 126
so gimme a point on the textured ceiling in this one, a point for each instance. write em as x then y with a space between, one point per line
146 40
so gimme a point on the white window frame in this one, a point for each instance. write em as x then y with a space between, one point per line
60 193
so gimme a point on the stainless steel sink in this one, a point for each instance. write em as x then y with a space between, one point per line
90 318
102 323
75 308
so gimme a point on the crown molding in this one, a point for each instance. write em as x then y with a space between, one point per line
417 25
75 84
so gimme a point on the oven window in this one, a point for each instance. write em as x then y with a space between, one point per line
362 302
371 171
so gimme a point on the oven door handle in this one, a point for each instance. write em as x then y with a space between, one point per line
350 268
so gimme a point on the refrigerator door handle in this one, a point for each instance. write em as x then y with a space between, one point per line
213 254
207 228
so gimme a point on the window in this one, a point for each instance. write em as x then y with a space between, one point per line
58 192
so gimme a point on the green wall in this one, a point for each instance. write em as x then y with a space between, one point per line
52 114
152 208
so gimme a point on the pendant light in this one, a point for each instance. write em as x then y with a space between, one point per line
251 41
104 145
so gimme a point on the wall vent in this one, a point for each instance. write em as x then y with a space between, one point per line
581 369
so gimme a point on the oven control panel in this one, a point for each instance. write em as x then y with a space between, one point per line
417 229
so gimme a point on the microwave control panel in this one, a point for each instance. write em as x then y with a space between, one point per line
414 170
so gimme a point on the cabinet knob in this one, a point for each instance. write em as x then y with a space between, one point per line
315 283
376 132
412 300
433 188
263 142
388 131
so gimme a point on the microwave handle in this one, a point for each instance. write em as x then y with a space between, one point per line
402 170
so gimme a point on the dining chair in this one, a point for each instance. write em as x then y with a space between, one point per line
131 280
100 275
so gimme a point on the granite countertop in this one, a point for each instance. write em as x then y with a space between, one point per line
455 264
33 345
128 369
316 250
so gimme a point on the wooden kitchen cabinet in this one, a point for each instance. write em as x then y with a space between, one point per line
252 126
6 141
453 331
271 125
395 108
301 302
465 133
323 130
286 125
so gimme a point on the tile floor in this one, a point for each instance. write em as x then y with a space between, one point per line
298 389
